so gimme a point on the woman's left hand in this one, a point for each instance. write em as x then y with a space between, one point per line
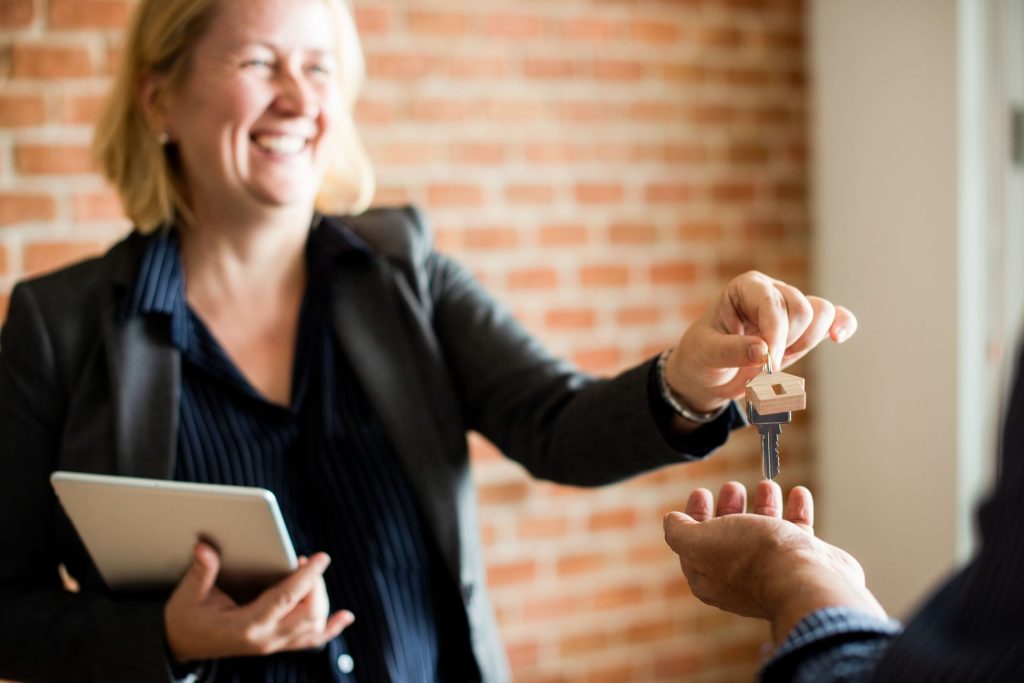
754 315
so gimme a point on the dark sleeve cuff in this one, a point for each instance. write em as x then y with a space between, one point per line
701 441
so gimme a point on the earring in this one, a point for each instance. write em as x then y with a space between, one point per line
163 138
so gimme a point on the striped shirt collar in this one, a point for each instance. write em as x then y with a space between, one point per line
159 286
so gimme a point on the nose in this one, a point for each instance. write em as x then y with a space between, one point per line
297 96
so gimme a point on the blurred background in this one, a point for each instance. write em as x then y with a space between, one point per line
605 167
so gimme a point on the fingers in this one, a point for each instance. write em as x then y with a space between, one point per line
312 638
700 505
800 313
844 325
768 499
732 499
202 573
823 317
800 508
276 602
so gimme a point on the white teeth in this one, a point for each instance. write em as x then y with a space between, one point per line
280 144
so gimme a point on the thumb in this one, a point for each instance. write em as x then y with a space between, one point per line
721 350
678 527
202 573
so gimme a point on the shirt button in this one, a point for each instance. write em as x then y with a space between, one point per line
346 664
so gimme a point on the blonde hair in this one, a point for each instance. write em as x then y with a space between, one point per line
147 174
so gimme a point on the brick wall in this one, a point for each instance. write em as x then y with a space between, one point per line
604 166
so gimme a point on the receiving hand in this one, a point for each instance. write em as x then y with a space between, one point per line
767 564
202 622
755 314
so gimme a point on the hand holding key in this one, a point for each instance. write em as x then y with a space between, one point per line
771 399
723 349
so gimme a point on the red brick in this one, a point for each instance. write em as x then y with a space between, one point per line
635 316
553 152
113 54
756 230
514 26
655 31
615 673
599 193
373 20
511 573
747 77
437 110
19 111
684 73
3 260
650 630
618 70
679 272
97 206
523 654
16 13
700 231
478 68
405 153
50 62
52 159
81 109
551 608
733 192
79 14
678 665
491 238
569 318
401 67
549 68
669 192
504 492
45 256
587 29
533 278
447 24
720 36
543 527
633 233
563 235
619 596
478 153
5 301
454 195
374 111
19 207
582 643
586 112
620 518
513 111
391 195
581 563
598 361
529 194
604 276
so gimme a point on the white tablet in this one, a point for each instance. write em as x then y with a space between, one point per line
141 532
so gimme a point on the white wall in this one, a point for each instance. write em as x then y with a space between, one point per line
891 243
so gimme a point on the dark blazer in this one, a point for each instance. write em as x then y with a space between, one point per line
81 389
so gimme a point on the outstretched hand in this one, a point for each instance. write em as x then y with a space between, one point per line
767 564
754 315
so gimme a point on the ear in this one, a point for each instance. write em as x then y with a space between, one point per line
152 97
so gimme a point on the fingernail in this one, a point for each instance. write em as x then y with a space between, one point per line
841 335
756 352
322 561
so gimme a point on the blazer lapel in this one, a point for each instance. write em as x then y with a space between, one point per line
145 373
370 328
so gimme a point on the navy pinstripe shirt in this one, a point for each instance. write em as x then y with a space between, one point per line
327 459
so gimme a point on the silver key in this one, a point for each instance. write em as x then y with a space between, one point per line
770 427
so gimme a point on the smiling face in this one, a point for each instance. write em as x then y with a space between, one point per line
254 118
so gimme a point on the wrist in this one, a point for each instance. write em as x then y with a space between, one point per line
698 412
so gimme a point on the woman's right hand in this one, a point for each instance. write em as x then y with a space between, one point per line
202 622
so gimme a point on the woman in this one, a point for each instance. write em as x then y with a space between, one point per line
240 337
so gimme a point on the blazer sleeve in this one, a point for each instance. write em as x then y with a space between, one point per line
46 632
559 423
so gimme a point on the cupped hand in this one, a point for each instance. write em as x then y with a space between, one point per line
754 315
767 564
203 622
